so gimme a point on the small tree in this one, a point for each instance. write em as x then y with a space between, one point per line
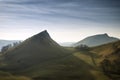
16 43
5 48
82 47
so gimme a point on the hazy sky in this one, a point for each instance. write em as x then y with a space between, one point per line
65 20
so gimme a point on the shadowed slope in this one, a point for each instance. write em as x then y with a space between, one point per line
36 49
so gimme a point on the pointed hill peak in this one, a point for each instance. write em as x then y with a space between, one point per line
105 34
43 32
40 36
36 49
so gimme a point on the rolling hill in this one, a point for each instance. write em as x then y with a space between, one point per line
41 58
34 50
96 40
109 59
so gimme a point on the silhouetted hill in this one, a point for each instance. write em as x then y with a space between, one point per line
96 40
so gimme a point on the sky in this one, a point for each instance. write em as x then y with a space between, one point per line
65 20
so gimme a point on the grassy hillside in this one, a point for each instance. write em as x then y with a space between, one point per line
105 59
109 59
66 68
90 58
106 49
75 66
35 50
41 58
6 76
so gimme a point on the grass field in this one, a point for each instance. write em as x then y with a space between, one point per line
75 65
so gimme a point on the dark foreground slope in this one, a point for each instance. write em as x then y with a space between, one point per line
96 40
109 59
41 58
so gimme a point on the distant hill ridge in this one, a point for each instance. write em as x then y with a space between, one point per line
96 40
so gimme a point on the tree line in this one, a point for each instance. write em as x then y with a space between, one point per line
9 46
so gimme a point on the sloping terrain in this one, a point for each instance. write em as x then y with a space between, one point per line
36 49
41 58
8 76
109 59
96 40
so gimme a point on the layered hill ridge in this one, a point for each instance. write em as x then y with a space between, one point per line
96 40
